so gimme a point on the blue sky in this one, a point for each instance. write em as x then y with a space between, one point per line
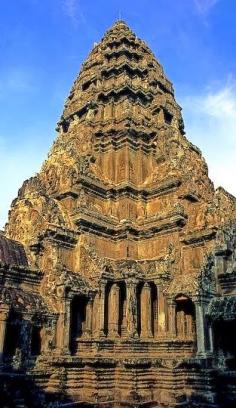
43 42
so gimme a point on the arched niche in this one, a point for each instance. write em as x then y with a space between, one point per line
185 317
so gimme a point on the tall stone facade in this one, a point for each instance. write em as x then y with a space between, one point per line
118 262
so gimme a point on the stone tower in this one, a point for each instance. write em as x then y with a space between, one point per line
118 260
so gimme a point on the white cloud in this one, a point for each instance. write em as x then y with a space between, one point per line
221 103
203 6
210 119
72 9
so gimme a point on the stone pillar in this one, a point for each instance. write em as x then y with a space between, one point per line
146 311
200 327
131 308
123 320
89 316
4 312
64 328
113 310
211 343
161 318
171 317
26 336
96 315
102 309
189 326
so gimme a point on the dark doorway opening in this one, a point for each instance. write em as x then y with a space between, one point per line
12 338
36 341
78 319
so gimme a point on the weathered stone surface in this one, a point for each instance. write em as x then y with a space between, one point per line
130 252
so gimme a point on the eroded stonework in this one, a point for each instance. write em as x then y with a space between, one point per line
118 263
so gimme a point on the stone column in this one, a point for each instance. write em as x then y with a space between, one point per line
96 315
123 320
146 311
172 317
64 328
4 312
113 310
26 335
189 326
211 343
161 318
102 309
131 308
89 316
200 327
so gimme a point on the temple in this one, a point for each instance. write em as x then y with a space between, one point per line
118 261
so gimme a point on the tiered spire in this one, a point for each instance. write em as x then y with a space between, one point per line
121 67
121 166
120 95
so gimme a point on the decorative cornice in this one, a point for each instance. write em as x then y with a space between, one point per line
93 222
61 235
125 189
20 274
